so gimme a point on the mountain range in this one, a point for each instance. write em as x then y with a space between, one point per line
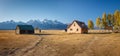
45 24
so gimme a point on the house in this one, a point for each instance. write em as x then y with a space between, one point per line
24 29
77 27
37 30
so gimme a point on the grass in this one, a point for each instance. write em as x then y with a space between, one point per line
10 41
59 43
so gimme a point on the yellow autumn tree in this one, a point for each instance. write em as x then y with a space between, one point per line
117 19
90 24
98 22
116 16
110 20
104 20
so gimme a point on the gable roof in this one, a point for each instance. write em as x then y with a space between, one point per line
79 23
25 27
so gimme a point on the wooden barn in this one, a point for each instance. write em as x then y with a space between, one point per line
24 29
77 27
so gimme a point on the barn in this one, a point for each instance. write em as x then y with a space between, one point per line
24 29
77 27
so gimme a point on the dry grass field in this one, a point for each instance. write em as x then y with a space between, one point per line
59 43
10 42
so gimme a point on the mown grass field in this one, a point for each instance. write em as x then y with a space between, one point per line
59 43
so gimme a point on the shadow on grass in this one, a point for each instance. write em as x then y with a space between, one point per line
64 34
41 34
35 34
44 34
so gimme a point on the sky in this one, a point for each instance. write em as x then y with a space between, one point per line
62 10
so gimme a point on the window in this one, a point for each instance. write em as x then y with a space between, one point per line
77 29
70 29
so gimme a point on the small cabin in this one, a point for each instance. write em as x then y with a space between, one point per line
37 30
77 27
24 29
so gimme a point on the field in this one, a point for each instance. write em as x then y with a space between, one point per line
58 43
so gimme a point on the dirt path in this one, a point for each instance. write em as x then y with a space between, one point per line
86 46
27 49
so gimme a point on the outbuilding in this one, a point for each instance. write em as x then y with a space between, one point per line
37 30
24 29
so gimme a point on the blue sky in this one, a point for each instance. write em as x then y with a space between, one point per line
61 10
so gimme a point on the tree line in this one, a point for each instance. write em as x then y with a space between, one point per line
107 20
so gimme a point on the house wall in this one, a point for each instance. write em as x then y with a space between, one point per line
73 28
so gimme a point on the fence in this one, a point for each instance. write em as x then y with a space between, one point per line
100 31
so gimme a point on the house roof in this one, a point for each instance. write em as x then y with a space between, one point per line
79 23
25 27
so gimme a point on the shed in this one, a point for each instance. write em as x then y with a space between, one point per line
37 30
24 29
